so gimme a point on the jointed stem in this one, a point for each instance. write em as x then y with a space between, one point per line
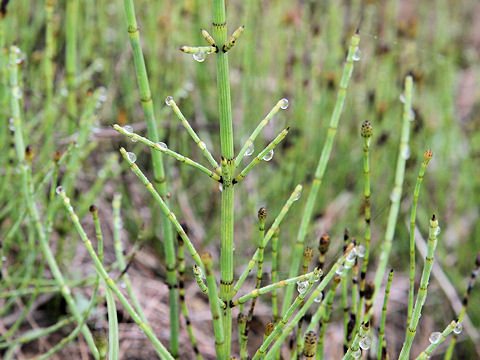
381 343
274 274
321 167
427 353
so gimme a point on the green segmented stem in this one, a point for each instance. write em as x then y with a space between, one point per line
232 39
381 334
275 274
158 170
321 167
269 288
256 159
113 345
288 329
167 151
411 291
397 189
71 59
242 323
260 354
159 347
307 258
354 348
199 49
220 345
326 316
466 298
366 133
49 66
262 217
257 131
209 38
34 216
166 211
346 309
422 291
194 136
228 168
181 291
122 265
427 353
276 223
198 274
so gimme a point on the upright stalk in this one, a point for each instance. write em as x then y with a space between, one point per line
228 168
158 171
71 59
49 66
321 167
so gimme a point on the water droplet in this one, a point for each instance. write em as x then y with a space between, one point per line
358 55
59 189
250 150
123 285
268 156
220 187
411 115
200 56
356 353
302 286
437 232
119 224
365 343
319 298
17 92
162 145
133 140
458 328
128 129
284 105
361 251
402 98
168 99
351 255
297 196
131 157
339 270
435 337
406 152
395 195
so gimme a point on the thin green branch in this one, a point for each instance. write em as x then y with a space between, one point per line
381 344
427 353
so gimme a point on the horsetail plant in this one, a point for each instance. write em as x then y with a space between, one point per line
382 346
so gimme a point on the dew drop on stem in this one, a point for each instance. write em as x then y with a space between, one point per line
250 150
200 56
220 187
458 328
435 337
131 157
128 129
357 55
339 270
268 156
297 196
162 145
361 251
319 298
365 343
284 105
437 232
59 190
406 152
402 98
356 353
168 100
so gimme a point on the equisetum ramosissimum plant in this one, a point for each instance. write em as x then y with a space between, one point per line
300 304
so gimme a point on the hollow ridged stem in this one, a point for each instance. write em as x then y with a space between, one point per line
346 309
27 188
275 274
166 211
354 349
113 345
160 349
228 167
326 316
321 167
310 345
260 354
71 59
256 160
258 129
276 223
422 291
194 136
262 217
381 334
411 291
198 274
317 292
49 66
397 189
269 288
162 148
307 258
427 353
466 298
181 291
366 133
242 323
122 265
215 309
198 49
158 170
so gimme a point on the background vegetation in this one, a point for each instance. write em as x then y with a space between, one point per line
291 49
